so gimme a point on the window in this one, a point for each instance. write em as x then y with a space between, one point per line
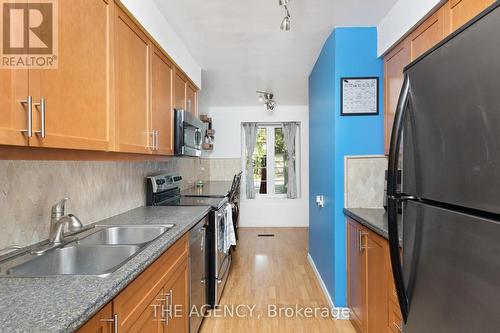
270 161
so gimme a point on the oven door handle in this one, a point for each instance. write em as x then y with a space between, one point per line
221 277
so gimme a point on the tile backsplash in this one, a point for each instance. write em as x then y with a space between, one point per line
364 181
223 168
97 190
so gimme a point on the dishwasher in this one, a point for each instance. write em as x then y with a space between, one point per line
198 272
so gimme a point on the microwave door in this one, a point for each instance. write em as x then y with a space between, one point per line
192 141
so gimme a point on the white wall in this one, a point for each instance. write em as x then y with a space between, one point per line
149 15
264 212
402 17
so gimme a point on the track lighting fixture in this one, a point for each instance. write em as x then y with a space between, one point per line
267 99
285 24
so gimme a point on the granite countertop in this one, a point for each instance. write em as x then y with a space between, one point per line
374 219
209 189
64 303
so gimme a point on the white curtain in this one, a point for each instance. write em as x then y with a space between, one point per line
290 133
250 141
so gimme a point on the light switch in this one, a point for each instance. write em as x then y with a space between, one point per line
320 201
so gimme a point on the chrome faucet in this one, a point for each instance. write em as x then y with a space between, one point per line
59 221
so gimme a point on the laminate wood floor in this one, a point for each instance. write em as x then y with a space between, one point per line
272 271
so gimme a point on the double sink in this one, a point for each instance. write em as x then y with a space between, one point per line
99 253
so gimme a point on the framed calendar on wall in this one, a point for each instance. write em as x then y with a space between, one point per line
359 96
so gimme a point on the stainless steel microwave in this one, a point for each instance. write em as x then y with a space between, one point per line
187 134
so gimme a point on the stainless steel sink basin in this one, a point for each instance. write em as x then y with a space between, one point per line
125 235
76 260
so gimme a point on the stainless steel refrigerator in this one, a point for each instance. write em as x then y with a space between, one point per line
446 140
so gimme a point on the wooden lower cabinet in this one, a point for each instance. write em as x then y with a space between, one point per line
356 277
145 304
102 322
177 290
367 269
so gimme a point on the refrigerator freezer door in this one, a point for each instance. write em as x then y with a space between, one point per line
452 269
451 139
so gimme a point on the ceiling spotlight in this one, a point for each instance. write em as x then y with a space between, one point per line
268 99
285 24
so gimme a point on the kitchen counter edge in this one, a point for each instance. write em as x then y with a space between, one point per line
374 219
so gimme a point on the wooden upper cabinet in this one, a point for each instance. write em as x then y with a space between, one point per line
162 114
428 34
394 63
462 11
77 93
357 277
132 75
100 322
13 112
180 85
192 99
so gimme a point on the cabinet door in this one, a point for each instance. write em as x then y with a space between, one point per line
180 83
13 113
178 289
462 11
192 99
394 63
377 249
132 68
101 322
356 272
151 320
77 93
429 33
162 114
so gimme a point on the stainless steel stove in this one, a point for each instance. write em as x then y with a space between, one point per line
164 190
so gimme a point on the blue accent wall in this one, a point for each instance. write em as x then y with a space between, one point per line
348 52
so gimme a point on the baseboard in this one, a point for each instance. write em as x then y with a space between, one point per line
325 290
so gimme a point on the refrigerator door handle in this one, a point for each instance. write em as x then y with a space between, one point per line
393 197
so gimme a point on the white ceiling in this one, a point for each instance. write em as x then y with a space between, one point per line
241 49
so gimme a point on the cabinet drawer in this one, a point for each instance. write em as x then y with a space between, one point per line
395 319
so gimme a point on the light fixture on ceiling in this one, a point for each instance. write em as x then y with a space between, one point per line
285 24
268 99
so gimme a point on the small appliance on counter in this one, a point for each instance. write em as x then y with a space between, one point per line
164 190
188 137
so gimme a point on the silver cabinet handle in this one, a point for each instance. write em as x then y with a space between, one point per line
168 304
42 106
157 133
151 141
29 102
397 327
113 320
361 247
